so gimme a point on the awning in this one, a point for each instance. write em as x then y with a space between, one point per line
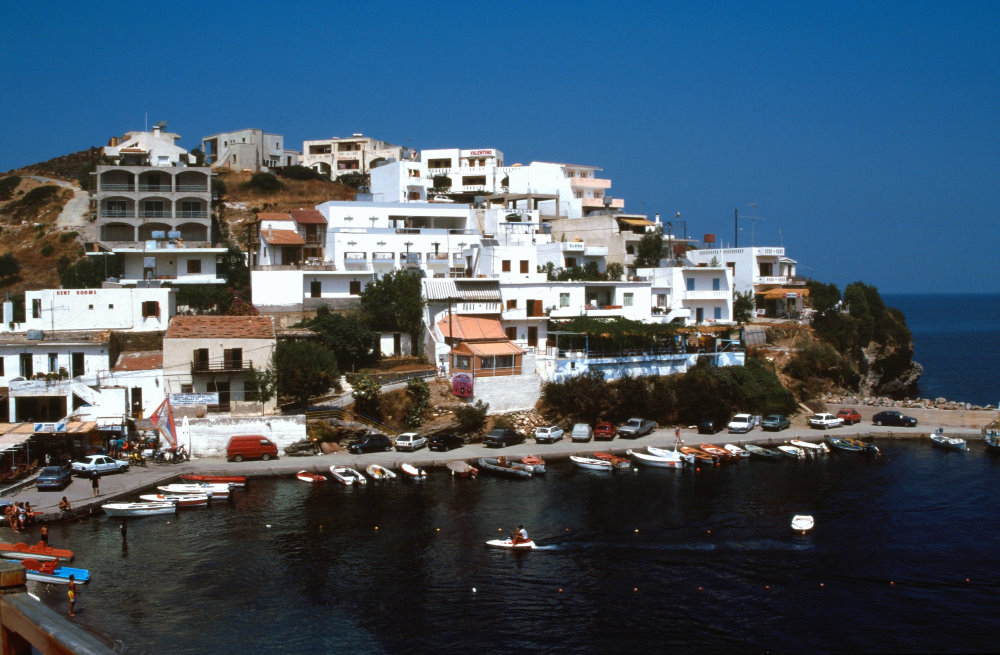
784 292
471 327
282 238
487 348
637 221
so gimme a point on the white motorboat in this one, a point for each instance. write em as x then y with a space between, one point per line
379 472
592 464
138 509
802 523
509 544
219 490
948 443
181 500
347 475
670 454
736 451
654 460
792 451
413 472
809 448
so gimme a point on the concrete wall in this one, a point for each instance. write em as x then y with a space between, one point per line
511 392
207 437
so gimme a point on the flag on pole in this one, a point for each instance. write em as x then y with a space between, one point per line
163 418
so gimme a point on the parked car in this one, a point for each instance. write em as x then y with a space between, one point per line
894 418
709 426
410 441
53 477
636 427
502 437
741 423
373 443
249 446
99 464
824 421
445 442
548 434
850 416
775 422
582 432
605 430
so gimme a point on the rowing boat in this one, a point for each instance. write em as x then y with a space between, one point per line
764 453
220 490
792 451
144 508
379 472
592 463
736 452
413 472
462 469
616 461
719 453
698 454
802 523
306 476
505 467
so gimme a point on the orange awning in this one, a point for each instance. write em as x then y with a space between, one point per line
471 327
487 348
784 292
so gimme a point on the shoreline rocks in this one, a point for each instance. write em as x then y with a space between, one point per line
911 403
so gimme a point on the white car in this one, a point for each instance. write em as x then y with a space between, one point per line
825 421
582 432
99 464
742 423
410 441
548 434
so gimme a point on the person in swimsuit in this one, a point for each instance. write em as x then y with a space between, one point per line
71 592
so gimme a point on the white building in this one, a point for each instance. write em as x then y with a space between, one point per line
123 310
355 154
764 271
250 149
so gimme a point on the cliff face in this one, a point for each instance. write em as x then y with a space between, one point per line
888 369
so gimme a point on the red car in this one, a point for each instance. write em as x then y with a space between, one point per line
605 430
849 416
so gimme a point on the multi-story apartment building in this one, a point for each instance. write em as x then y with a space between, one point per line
250 149
764 271
355 154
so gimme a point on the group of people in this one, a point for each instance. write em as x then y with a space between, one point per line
19 515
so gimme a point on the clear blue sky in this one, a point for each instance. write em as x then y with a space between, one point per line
866 135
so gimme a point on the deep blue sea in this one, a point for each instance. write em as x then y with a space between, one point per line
902 560
957 341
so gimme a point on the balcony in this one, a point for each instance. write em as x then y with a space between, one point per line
589 183
597 311
116 213
192 214
118 187
598 203
164 188
705 295
154 213
193 188
779 280
225 366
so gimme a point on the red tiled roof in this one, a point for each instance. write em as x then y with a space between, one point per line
303 216
274 216
233 327
468 328
282 238
140 361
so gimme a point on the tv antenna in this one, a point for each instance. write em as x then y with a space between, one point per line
753 219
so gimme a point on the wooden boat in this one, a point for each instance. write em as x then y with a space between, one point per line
809 448
992 441
720 454
306 476
504 466
238 481
670 454
38 551
144 508
948 443
347 475
53 572
616 461
462 469
592 463
802 523
763 453
792 451
379 472
413 472
866 447
844 446
699 455
736 452
218 490
655 461
537 464
181 500
509 544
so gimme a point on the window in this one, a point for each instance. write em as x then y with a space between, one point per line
1 366
690 283
76 364
233 358
511 333
111 306
571 262
150 308
53 362
524 265
512 303
187 388
194 266
201 359
463 362
505 266
715 284
628 299
315 289
718 313
36 308
355 289
564 300
27 366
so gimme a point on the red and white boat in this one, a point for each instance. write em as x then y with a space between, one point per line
181 500
616 461
235 480
39 551
718 452
306 476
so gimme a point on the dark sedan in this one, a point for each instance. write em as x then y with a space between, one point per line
373 443
775 422
894 418
709 426
53 478
445 442
502 437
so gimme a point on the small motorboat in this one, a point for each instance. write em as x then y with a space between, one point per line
53 572
216 490
720 454
948 443
844 445
413 472
144 508
865 447
652 460
462 469
616 461
306 476
505 467
802 523
763 453
347 475
510 545
537 464
592 463
736 452
699 455
379 472
809 448
792 451
670 454
181 500
38 551
238 481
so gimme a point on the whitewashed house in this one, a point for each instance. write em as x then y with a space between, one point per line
249 149
764 271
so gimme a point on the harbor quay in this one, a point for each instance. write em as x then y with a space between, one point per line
143 479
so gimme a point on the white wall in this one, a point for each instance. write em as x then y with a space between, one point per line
98 309
208 437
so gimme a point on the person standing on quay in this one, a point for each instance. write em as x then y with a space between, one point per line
71 592
95 483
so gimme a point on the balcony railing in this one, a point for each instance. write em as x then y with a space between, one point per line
705 295
155 187
194 188
117 187
201 213
233 366
116 213
154 213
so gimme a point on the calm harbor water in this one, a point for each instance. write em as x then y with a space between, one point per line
957 341
651 561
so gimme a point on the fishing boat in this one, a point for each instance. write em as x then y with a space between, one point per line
347 475
379 472
844 445
217 490
655 461
306 476
992 441
462 469
811 449
616 461
238 481
699 455
792 451
736 452
940 440
144 508
802 523
38 551
181 500
592 463
505 467
53 572
866 447
764 453
413 472
720 454
509 544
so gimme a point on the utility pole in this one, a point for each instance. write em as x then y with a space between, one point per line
736 228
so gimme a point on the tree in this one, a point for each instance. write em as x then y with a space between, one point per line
9 266
650 249
394 303
368 396
743 304
90 272
419 394
304 369
260 385
823 297
347 336
615 271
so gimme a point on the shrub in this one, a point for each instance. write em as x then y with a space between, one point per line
9 266
67 236
39 196
7 186
471 418
300 173
419 394
368 396
47 249
264 182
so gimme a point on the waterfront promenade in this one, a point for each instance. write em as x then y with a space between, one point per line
127 486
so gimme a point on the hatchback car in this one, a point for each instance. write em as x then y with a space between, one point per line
824 421
582 432
445 442
99 464
410 441
894 418
849 415
775 422
502 437
53 477
741 423
548 434
605 430
373 443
